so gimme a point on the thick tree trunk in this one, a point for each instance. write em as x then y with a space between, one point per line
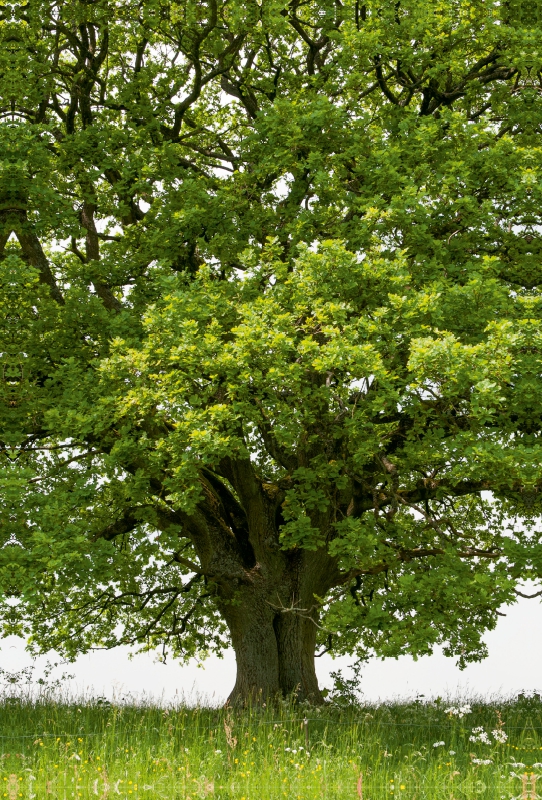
266 594
273 626
296 643
250 621
274 654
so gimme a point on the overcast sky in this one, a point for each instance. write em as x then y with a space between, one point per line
514 664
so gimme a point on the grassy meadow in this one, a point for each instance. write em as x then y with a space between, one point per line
412 751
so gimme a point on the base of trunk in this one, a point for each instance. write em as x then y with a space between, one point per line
274 653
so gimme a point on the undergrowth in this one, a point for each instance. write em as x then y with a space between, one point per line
438 750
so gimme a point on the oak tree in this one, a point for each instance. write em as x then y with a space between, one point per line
270 330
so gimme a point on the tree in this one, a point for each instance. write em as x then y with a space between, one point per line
274 271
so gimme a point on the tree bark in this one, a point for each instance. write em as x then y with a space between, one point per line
296 644
273 626
250 620
267 594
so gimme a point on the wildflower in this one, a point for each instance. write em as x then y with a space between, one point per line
217 752
479 735
499 735
484 761
439 744
451 752
458 711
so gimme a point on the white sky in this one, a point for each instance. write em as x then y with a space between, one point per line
514 664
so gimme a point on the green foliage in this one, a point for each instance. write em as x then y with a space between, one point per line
270 318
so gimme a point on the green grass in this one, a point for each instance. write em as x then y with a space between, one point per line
64 750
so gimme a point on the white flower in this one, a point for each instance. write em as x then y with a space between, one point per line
458 711
287 749
499 735
484 761
451 752
479 735
217 752
439 744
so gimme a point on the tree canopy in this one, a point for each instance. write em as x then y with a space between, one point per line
271 326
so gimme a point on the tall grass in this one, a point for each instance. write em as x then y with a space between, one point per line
408 750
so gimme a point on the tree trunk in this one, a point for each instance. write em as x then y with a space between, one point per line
273 626
250 621
296 643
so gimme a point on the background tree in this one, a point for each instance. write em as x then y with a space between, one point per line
270 287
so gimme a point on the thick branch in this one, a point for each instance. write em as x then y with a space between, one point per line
33 252
93 254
